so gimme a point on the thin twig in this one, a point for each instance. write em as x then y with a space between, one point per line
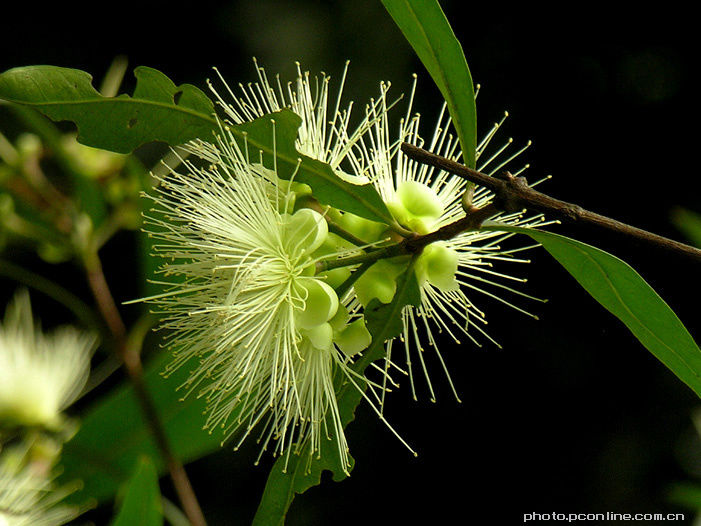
513 194
132 363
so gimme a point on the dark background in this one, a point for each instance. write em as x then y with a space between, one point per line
572 415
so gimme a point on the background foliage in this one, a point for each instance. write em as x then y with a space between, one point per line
573 413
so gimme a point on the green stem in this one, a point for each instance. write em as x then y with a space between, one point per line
473 219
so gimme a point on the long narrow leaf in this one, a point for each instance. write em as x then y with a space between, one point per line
619 288
427 30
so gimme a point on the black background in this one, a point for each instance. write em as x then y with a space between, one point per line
572 415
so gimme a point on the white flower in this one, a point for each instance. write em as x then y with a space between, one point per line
243 300
40 374
424 199
324 133
28 494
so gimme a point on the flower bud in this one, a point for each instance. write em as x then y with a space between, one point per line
418 207
353 338
321 336
379 281
320 303
360 227
306 230
438 265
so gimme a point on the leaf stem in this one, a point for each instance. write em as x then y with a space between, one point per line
513 194
131 360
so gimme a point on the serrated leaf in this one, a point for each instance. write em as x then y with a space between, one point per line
161 111
624 293
158 111
142 502
426 28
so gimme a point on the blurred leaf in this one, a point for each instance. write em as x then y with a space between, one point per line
686 494
55 144
142 502
622 291
689 224
384 323
428 31
113 433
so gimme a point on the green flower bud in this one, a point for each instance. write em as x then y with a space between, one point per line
340 319
320 303
353 338
320 336
418 207
305 230
361 228
379 281
438 265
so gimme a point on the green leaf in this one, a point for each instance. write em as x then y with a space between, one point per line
428 31
280 129
621 290
113 433
161 111
689 223
384 323
142 501
158 111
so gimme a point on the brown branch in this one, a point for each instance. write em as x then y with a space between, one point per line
513 194
131 360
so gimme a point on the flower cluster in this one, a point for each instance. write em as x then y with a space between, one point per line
248 293
268 332
40 376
